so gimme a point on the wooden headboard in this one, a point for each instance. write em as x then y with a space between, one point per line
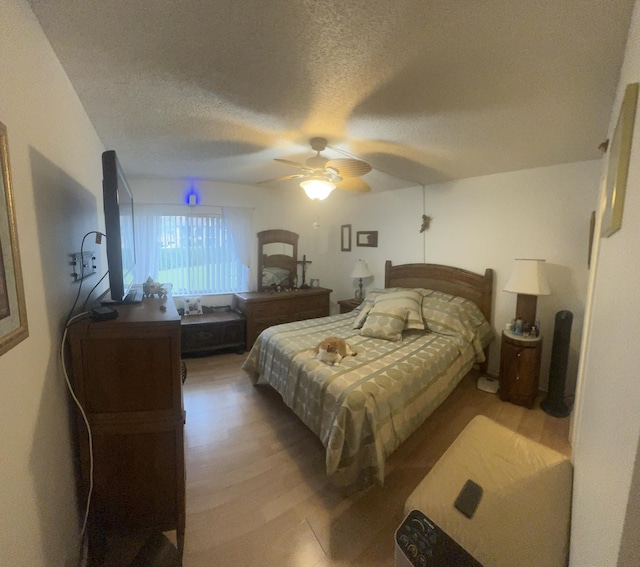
456 281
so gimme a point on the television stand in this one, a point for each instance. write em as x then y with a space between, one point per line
126 374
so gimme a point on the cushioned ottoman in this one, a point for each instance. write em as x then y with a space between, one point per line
523 516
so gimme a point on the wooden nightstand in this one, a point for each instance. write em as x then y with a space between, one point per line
347 305
519 368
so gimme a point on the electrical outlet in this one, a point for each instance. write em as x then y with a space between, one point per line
84 265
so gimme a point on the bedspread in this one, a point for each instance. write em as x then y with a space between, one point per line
364 408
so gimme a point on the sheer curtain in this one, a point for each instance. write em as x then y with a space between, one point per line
148 235
199 251
239 222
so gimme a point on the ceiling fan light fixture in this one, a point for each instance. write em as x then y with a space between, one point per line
317 188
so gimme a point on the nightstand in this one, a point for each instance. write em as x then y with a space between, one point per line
520 368
347 305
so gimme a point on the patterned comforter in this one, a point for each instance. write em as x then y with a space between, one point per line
364 408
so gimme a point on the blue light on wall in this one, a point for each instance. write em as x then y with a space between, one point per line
191 197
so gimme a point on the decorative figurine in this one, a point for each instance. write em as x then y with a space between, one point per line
151 288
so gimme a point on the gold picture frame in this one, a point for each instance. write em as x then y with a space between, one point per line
13 309
618 163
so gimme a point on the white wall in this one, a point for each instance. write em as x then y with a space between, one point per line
606 515
55 166
478 223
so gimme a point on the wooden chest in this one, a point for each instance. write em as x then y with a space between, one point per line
210 332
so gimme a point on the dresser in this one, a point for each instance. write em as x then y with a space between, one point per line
264 309
125 373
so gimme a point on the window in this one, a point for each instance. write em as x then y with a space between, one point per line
194 253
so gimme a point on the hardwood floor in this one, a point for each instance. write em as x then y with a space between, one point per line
257 493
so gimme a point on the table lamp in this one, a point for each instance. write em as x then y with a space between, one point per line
360 270
528 281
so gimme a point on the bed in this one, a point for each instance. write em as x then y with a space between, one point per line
415 340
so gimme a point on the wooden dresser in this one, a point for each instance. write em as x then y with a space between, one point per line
126 375
264 309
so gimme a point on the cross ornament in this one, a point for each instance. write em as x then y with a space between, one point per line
304 263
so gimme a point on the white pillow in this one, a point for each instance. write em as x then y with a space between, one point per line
192 306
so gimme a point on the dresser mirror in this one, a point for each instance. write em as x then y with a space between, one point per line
277 259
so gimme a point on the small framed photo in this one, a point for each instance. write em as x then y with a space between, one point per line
345 238
367 238
315 282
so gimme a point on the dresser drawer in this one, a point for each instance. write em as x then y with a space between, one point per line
311 314
260 325
266 309
308 304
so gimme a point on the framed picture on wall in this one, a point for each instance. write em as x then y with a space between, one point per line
13 310
345 238
367 238
618 163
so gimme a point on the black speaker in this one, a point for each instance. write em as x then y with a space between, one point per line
554 403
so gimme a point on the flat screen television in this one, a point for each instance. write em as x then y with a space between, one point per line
120 230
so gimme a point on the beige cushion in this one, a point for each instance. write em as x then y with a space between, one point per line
385 322
363 311
524 513
410 299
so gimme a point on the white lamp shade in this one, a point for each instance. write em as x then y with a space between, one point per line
528 278
361 270
317 188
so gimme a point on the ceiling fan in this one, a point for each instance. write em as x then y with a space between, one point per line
321 175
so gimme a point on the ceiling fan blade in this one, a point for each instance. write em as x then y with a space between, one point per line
295 164
283 178
348 167
354 184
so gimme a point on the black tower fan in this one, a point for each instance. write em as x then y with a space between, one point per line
554 404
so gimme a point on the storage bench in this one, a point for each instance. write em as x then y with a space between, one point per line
210 332
524 513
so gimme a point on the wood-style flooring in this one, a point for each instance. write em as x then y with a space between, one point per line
257 493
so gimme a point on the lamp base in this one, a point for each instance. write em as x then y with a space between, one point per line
526 308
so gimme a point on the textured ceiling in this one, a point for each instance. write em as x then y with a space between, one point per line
426 91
